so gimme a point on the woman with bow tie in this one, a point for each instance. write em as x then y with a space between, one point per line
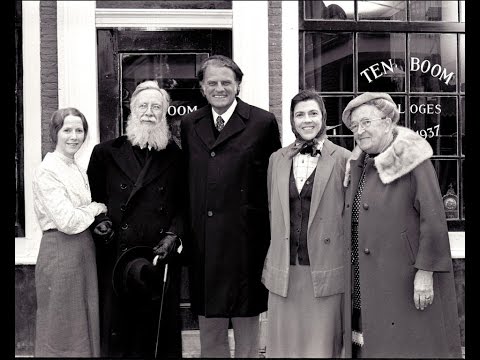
304 270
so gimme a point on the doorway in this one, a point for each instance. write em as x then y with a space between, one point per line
128 57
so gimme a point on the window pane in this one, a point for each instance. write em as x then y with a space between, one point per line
381 62
433 10
329 61
434 117
433 62
462 11
175 73
338 10
447 173
382 10
462 62
462 122
462 189
400 101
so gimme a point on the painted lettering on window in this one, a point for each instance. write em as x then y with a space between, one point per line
180 110
382 68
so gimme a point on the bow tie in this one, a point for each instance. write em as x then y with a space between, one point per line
310 149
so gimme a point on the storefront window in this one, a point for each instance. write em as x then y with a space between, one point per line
434 117
434 10
382 10
462 62
381 62
422 66
334 10
433 62
462 11
329 61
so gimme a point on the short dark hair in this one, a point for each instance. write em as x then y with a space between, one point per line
220 60
306 95
58 118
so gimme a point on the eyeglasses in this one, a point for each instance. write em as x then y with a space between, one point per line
154 107
365 123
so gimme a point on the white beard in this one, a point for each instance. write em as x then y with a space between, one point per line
156 136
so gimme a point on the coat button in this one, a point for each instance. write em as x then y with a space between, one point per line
348 205
124 226
123 207
326 241
212 154
123 248
123 186
161 209
210 213
365 206
366 251
162 189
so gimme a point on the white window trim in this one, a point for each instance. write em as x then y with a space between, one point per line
155 19
26 248
77 22
290 85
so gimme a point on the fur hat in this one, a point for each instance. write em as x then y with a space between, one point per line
382 101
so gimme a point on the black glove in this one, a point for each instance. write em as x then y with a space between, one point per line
166 247
103 232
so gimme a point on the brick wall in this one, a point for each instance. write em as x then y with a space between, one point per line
49 68
275 59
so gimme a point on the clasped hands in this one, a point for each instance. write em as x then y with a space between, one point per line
104 231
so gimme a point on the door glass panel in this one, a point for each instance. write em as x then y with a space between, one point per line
329 61
174 72
433 62
434 10
381 62
382 10
434 117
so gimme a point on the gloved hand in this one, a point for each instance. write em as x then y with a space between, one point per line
104 231
166 246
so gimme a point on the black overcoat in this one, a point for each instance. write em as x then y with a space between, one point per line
228 209
141 211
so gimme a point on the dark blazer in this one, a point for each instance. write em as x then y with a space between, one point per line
228 209
141 211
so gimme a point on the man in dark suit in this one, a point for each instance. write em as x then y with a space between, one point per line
139 176
227 144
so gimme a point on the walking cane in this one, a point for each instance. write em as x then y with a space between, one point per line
161 301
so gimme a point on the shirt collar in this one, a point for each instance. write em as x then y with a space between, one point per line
227 114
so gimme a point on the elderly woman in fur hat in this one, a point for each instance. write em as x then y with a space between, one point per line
403 301
304 267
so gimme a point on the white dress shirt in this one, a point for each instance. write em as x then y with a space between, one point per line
303 166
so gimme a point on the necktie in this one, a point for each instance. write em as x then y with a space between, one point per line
220 123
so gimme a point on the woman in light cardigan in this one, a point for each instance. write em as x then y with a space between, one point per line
304 270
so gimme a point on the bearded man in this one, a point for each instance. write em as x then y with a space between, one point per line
139 177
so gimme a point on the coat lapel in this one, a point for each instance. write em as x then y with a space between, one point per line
203 127
283 178
322 174
356 168
125 159
158 164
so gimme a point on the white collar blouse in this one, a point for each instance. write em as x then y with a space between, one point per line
62 198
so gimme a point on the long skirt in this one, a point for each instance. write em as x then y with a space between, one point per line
301 325
67 296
